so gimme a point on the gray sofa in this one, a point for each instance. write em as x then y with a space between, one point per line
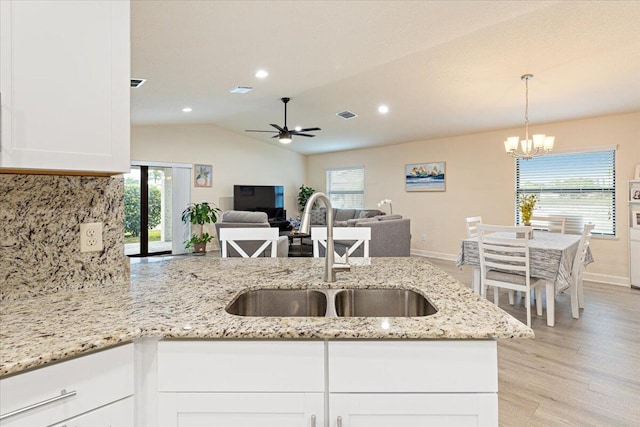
242 219
390 234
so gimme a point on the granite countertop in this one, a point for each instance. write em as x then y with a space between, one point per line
185 297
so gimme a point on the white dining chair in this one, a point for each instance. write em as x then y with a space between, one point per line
554 224
263 237
356 236
472 222
504 263
576 289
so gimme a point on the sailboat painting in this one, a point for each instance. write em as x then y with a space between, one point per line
425 176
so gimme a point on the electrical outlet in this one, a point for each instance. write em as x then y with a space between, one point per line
91 237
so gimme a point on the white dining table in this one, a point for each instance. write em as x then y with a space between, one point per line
551 258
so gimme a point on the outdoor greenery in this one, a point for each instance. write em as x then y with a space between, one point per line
154 236
132 207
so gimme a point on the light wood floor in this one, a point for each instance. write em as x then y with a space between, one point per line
581 372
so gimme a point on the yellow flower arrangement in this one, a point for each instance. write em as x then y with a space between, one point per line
527 204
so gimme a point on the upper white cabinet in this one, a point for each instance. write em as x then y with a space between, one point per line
65 82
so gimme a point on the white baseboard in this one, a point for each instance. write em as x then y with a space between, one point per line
607 279
591 277
436 255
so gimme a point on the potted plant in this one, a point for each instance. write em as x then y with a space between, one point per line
200 214
303 195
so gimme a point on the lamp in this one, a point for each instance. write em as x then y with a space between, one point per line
284 137
538 145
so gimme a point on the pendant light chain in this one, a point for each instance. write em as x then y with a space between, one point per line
526 109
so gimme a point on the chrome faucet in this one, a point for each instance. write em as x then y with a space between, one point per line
330 267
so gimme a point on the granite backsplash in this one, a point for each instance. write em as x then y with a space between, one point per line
40 218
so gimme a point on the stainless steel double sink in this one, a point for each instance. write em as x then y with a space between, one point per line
331 303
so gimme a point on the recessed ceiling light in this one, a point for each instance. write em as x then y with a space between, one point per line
383 109
261 74
187 109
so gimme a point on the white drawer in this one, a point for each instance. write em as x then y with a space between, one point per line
198 366
446 366
97 379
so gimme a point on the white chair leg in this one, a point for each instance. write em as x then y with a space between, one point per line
512 298
580 292
551 306
538 292
573 291
496 295
527 303
475 282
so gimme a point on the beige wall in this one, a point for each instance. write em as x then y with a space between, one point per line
480 181
236 159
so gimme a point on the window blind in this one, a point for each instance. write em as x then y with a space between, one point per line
578 186
345 187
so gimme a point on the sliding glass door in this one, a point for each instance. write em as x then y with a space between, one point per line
152 215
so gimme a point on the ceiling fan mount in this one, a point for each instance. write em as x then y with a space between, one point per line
285 135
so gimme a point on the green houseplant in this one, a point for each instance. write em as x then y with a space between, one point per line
200 214
303 195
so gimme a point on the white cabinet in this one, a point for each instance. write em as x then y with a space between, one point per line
118 414
64 85
240 383
413 410
68 389
289 383
634 233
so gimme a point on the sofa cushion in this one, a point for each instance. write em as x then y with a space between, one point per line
388 217
353 222
341 223
344 214
244 217
319 216
369 213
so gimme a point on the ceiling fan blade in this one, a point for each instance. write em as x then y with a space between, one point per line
303 134
252 130
309 129
276 136
277 127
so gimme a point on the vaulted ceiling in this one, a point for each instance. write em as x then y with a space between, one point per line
443 67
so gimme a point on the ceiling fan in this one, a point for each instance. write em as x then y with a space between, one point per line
285 135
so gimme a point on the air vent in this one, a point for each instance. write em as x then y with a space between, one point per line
137 82
241 89
347 115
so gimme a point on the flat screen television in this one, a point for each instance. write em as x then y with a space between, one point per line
260 198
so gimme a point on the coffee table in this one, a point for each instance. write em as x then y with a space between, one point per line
300 249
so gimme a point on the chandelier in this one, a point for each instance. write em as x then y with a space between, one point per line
538 145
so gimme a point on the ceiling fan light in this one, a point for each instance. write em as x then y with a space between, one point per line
285 139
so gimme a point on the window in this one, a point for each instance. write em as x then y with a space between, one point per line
578 186
345 187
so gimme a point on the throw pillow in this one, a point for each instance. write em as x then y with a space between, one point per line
388 217
318 216
370 213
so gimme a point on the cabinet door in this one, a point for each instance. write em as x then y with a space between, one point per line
241 409
64 81
118 414
413 410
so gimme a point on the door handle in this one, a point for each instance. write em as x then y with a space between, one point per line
63 395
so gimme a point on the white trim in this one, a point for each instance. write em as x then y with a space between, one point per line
161 164
436 255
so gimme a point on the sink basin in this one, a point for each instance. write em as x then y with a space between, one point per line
382 303
279 303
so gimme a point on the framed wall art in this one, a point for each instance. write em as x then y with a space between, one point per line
202 175
425 176
635 218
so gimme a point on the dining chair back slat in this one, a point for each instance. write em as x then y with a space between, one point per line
357 236
505 263
472 222
554 224
231 237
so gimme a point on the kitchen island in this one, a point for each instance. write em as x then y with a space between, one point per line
184 298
